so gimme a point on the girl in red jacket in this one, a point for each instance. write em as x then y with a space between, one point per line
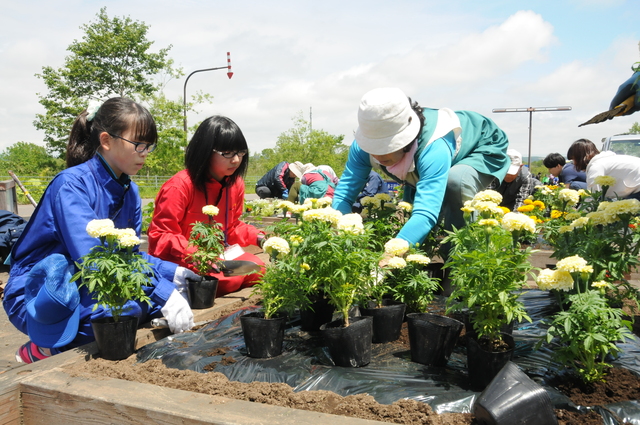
216 160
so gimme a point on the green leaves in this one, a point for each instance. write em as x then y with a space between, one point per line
113 276
208 239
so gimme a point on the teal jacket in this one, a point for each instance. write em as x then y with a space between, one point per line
477 142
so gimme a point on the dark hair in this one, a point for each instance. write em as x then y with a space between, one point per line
215 133
580 152
115 116
418 110
553 160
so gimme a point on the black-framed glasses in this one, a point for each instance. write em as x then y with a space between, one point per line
231 154
138 146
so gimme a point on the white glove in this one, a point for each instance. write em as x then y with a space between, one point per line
180 280
178 313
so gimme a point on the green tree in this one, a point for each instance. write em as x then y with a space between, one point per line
112 59
304 144
29 159
635 128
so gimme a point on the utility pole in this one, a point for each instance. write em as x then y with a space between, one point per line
531 110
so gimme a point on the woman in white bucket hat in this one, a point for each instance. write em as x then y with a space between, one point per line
443 157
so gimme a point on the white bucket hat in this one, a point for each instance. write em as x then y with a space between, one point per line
516 161
386 121
297 168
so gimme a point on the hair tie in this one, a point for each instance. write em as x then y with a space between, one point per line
92 109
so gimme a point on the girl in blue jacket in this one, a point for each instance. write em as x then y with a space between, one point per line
442 157
108 143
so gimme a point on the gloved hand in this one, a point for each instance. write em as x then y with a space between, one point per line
178 313
180 280
285 194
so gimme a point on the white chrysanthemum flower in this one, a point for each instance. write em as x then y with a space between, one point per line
574 264
322 214
382 197
516 222
397 247
580 222
396 263
324 202
572 216
100 228
600 218
554 279
488 195
604 181
485 206
210 210
407 207
565 229
418 258
368 200
276 246
624 206
128 240
572 197
299 209
351 223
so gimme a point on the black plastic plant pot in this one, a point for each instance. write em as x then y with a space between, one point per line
202 293
513 398
387 320
321 312
484 365
116 340
263 337
350 346
432 337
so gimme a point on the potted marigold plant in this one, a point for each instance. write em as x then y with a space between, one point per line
586 332
206 247
488 267
114 274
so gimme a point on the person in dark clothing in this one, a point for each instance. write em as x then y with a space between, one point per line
374 185
517 185
278 180
565 171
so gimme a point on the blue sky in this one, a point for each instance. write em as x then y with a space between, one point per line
290 56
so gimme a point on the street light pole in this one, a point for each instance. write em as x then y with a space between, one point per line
531 110
184 97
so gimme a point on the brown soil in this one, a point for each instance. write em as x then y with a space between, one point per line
621 385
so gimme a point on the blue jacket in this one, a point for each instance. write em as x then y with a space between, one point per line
278 180
58 225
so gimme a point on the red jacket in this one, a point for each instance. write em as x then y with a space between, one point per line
179 206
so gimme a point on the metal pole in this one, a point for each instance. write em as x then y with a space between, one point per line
184 95
531 110
24 189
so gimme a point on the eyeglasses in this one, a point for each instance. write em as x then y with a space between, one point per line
231 154
138 146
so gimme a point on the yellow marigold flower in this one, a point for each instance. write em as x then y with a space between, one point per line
467 209
285 205
539 204
526 208
305 266
556 214
210 210
407 207
574 264
100 228
296 240
396 246
604 181
527 201
504 210
396 263
489 222
516 222
583 193
601 284
418 258
276 246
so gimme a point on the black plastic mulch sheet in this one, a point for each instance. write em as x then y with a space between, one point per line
391 375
